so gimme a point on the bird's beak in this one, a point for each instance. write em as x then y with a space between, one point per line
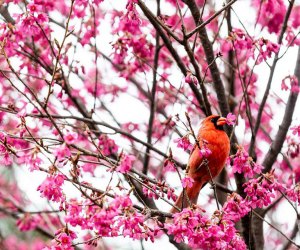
221 121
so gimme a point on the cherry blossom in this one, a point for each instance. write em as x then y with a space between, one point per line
230 119
184 143
187 182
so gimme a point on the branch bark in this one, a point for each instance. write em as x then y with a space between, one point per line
172 51
272 71
275 149
209 53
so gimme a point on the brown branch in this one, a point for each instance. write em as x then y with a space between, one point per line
272 71
203 24
209 53
4 12
152 99
117 130
171 49
275 228
16 217
293 235
277 144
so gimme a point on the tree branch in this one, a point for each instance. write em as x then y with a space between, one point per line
272 71
172 51
277 144
203 24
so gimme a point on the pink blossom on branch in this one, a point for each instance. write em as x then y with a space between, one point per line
28 222
62 152
294 193
266 49
230 119
271 14
204 150
184 143
126 163
243 163
51 188
296 130
187 182
169 165
132 15
196 229
107 145
236 207
290 83
191 79
260 191
70 137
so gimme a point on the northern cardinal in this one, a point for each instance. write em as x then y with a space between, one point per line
211 136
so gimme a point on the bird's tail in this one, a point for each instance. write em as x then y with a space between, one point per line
187 197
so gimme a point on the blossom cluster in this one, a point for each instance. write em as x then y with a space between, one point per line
114 218
242 163
158 190
261 190
51 188
200 231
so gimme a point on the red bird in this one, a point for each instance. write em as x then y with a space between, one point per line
211 136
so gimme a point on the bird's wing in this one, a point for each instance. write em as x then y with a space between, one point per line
195 161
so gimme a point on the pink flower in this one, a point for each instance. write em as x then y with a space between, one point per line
204 150
271 14
5 159
294 193
171 194
130 127
149 193
240 42
266 48
243 163
34 162
230 119
203 233
187 182
33 7
70 137
235 207
64 238
169 165
28 222
184 143
260 191
62 152
296 130
292 84
126 163
107 145
51 188
65 241
293 146
120 217
191 79
132 15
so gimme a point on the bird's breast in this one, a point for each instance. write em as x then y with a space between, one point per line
219 145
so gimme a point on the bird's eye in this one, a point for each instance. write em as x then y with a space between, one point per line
214 120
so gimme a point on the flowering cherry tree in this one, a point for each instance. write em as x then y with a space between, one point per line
99 103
